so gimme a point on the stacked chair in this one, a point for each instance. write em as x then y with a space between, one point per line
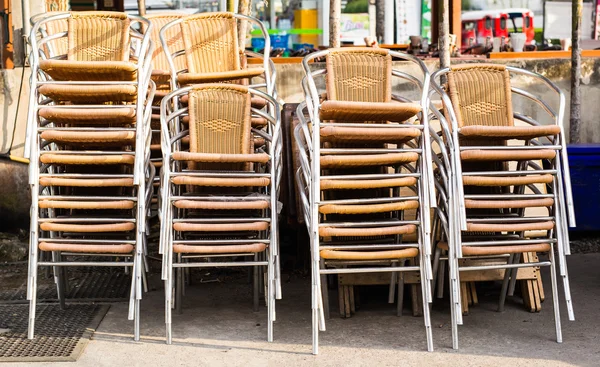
502 180
364 178
88 139
221 153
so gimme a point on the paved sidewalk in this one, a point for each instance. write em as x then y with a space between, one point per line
218 328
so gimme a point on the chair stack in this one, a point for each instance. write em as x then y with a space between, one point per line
364 177
221 158
88 142
503 182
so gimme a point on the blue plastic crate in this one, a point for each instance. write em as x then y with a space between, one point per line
280 41
258 44
584 162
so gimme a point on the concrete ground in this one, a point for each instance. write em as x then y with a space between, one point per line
218 327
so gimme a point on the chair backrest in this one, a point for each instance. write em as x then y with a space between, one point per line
211 42
56 5
60 46
98 36
359 74
220 119
174 41
481 95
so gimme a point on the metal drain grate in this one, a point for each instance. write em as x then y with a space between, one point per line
60 335
84 285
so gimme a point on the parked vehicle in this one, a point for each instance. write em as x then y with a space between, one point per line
478 25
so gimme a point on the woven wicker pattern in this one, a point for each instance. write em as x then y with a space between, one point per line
481 95
174 41
58 46
220 116
210 41
98 36
359 74
56 5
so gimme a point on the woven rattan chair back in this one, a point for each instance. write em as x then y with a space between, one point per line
220 119
211 42
56 5
60 46
174 40
359 74
98 36
481 95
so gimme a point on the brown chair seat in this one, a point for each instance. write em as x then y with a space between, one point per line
367 111
89 93
222 205
87 248
506 180
219 249
120 115
498 250
88 228
221 227
340 161
366 232
506 155
222 76
369 255
72 70
82 159
510 227
397 135
221 158
367 184
368 208
89 137
505 204
86 182
222 182
508 132
76 204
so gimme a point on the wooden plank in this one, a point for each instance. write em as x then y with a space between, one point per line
496 274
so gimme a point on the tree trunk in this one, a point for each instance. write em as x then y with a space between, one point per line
380 19
243 8
575 120
444 33
335 8
142 7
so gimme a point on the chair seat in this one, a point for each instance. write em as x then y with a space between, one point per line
506 155
498 250
82 159
198 78
219 249
508 132
340 161
87 248
77 204
89 93
88 228
89 137
222 182
371 111
369 255
222 205
506 180
368 208
505 204
221 227
86 182
221 158
366 232
367 184
510 227
71 70
76 116
397 135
